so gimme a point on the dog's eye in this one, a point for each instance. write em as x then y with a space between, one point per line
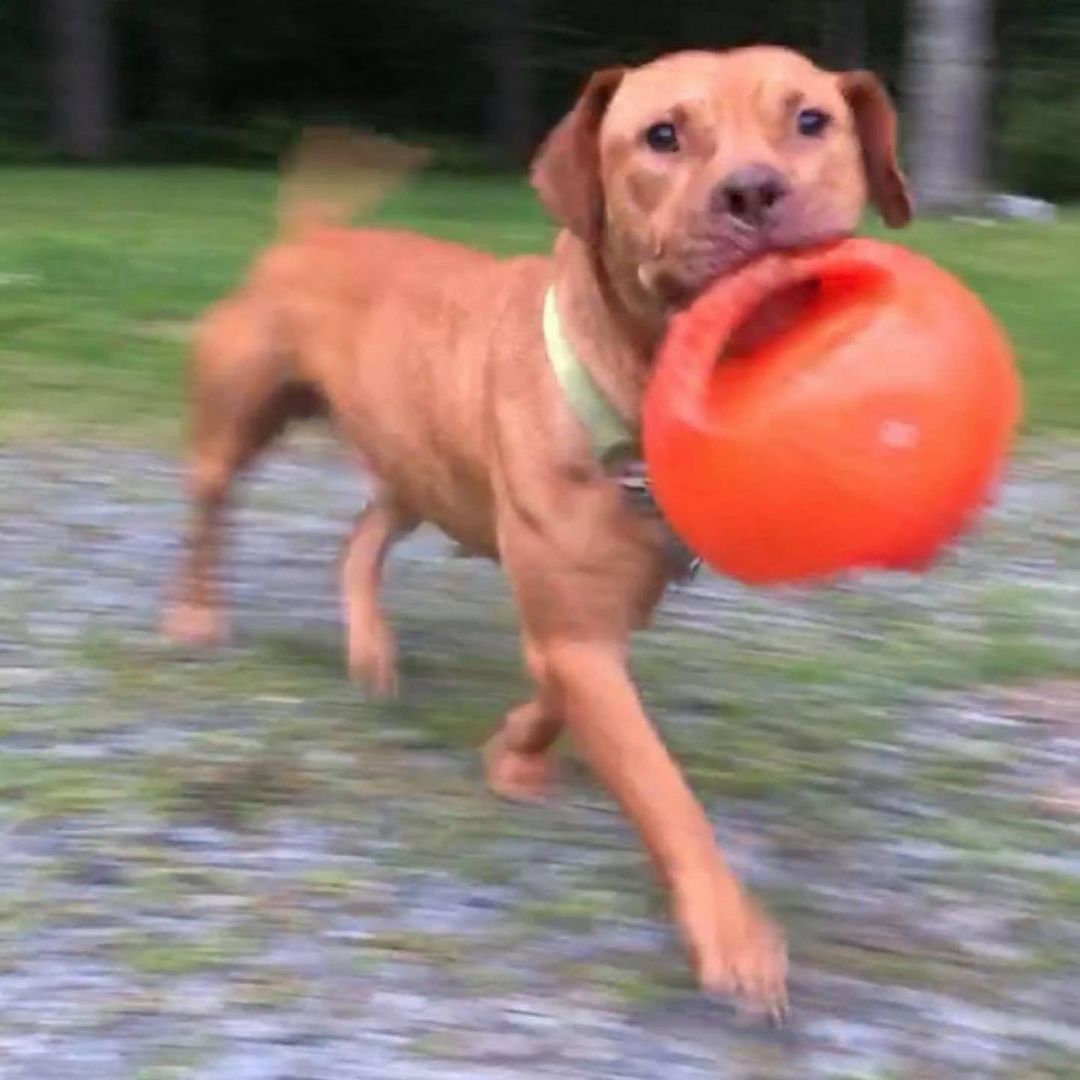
663 138
812 122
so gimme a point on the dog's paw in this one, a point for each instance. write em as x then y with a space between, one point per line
519 777
373 662
737 950
194 624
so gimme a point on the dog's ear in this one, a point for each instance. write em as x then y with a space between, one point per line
566 169
875 122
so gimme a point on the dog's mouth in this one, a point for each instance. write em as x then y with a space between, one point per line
679 287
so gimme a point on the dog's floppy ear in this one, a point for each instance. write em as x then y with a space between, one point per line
875 122
566 169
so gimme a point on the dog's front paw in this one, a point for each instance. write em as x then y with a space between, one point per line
517 776
736 948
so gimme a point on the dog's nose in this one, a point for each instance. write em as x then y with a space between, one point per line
751 194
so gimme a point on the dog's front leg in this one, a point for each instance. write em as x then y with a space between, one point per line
734 947
577 613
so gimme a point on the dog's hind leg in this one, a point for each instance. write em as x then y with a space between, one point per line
242 398
372 651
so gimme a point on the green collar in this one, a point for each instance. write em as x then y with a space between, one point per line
609 433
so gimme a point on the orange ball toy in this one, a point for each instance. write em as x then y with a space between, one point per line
863 429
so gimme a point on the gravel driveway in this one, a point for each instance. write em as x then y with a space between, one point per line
232 867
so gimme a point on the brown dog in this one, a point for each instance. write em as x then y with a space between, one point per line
432 360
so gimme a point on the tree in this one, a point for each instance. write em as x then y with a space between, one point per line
949 47
81 76
512 102
181 61
843 34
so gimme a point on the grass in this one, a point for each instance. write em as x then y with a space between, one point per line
102 271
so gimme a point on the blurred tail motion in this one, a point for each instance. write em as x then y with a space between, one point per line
334 174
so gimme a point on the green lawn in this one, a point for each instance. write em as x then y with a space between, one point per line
102 270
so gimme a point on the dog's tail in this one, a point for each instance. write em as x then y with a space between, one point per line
333 174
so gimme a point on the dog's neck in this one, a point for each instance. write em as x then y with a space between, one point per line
612 328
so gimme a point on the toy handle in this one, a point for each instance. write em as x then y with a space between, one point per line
697 336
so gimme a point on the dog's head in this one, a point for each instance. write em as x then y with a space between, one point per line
680 171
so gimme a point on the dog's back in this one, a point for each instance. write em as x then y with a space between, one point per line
377 328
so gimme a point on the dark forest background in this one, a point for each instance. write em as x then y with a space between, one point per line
989 91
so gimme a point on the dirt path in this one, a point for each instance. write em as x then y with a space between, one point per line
234 867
